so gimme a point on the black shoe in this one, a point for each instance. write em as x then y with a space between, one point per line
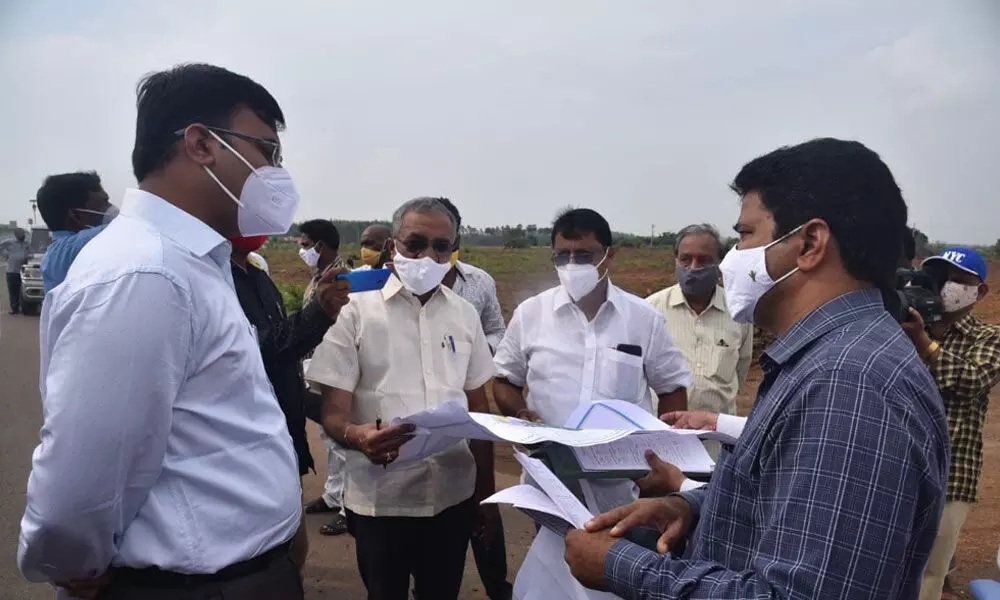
319 505
336 526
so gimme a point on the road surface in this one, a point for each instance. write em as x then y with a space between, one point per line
330 572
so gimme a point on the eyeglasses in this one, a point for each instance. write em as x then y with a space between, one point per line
419 244
577 257
269 149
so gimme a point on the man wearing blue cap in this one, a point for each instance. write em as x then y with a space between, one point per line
963 353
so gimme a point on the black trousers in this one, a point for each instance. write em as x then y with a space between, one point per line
430 549
280 579
491 562
14 291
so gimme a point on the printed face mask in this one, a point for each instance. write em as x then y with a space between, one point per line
745 277
956 296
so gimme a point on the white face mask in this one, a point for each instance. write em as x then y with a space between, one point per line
580 280
419 275
310 256
268 200
746 280
106 216
957 296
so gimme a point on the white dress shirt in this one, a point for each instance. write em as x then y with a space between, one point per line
398 358
566 360
162 444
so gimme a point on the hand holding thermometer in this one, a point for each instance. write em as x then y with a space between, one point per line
366 281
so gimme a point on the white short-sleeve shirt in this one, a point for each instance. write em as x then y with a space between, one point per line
398 358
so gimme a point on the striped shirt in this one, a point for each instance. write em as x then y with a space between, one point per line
718 350
837 484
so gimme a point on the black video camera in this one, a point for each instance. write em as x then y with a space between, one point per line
920 290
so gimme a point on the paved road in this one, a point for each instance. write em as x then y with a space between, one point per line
330 572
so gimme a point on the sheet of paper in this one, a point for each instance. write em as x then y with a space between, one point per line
686 452
569 505
614 414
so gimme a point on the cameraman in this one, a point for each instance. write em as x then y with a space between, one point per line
964 355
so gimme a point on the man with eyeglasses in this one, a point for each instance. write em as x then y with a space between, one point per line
165 467
410 346
583 341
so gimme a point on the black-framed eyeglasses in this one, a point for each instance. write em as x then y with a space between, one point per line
577 257
270 149
418 244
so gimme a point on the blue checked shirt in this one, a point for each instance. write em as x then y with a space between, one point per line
836 485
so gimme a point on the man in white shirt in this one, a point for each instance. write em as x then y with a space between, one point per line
165 468
717 348
586 340
410 346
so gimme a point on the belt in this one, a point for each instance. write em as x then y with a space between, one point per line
154 577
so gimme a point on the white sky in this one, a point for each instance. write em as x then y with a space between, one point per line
642 110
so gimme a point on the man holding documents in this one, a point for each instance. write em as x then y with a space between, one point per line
410 346
838 482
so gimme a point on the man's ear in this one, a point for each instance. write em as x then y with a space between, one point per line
611 252
816 241
195 143
983 290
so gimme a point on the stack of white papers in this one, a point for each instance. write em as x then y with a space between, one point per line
685 452
550 499
619 414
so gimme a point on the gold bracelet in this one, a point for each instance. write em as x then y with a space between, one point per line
930 351
347 433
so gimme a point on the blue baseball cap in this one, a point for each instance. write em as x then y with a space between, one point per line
965 259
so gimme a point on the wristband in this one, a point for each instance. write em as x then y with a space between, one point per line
930 351
347 433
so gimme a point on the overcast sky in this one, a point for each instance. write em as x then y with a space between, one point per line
642 110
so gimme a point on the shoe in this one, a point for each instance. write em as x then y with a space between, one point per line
336 526
319 506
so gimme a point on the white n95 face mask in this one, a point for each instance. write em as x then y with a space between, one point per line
580 280
419 275
746 280
310 257
956 296
268 200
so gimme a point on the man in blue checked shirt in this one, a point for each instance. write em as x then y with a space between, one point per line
836 485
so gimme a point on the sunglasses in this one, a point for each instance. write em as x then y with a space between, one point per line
418 244
576 257
269 149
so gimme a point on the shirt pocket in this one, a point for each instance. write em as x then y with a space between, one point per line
454 357
725 356
620 376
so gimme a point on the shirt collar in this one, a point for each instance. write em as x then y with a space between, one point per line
615 297
675 298
967 325
393 286
186 230
63 233
458 269
837 312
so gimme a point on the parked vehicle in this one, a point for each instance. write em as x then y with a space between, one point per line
32 286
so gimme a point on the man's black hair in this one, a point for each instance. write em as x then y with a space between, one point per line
453 210
843 183
577 222
191 93
62 192
322 230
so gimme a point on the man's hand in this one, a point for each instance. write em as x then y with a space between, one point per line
585 555
691 419
670 516
487 524
331 293
916 329
528 415
381 446
88 589
664 478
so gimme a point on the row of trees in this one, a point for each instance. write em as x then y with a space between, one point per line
526 236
